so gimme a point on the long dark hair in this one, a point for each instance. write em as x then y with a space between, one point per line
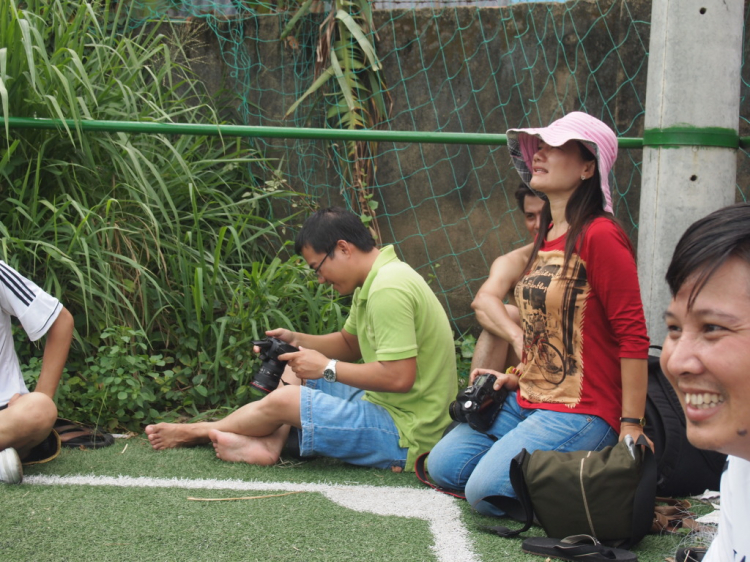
585 205
706 245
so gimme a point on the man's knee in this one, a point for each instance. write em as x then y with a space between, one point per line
36 410
281 402
27 421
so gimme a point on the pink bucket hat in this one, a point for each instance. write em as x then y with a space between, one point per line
593 133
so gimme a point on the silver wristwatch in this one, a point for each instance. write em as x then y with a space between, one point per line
329 373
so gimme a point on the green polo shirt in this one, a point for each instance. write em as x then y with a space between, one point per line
395 315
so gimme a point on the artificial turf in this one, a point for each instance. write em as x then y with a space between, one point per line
80 522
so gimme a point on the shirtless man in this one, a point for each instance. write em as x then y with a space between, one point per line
491 350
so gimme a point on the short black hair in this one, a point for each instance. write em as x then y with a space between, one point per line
324 228
707 244
521 194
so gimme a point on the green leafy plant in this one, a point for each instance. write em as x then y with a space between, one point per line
285 294
465 345
142 230
348 66
120 386
149 233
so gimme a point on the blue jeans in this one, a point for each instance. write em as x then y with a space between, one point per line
478 463
338 423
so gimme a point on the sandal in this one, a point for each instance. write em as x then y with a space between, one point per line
76 435
576 547
690 554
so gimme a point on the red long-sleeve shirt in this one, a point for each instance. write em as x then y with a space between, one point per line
578 324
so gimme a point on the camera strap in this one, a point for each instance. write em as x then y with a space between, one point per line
421 473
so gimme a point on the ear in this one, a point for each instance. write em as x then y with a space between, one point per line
345 247
589 168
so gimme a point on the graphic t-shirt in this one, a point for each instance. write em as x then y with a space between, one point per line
579 323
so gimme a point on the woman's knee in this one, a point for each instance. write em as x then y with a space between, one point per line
481 486
440 468
485 484
452 460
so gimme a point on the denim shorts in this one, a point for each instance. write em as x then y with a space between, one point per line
337 422
478 463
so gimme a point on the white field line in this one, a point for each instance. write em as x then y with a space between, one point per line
451 538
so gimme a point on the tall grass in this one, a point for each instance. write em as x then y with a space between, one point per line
134 227
152 233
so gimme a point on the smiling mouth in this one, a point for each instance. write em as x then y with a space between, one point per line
704 400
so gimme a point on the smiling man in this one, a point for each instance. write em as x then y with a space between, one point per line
706 357
375 393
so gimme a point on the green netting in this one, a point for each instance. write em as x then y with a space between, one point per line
481 68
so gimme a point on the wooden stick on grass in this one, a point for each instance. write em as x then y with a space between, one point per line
245 498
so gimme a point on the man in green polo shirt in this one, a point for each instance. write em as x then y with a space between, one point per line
382 411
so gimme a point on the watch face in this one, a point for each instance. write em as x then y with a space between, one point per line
329 375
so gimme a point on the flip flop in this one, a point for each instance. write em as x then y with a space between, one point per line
76 435
690 554
576 547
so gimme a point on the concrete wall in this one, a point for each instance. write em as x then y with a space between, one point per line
450 208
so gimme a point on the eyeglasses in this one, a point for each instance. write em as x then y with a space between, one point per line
315 271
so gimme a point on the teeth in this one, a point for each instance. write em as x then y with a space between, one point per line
704 400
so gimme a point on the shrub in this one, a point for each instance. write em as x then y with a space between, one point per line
140 236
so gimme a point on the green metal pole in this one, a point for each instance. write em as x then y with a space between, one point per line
270 132
250 131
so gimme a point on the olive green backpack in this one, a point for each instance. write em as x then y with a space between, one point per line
607 494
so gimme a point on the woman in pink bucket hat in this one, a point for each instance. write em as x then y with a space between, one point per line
598 139
582 381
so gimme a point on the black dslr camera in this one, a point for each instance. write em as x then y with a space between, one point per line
268 376
478 404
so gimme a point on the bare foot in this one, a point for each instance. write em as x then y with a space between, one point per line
232 447
171 435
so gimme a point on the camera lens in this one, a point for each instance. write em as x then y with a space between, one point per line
267 378
456 412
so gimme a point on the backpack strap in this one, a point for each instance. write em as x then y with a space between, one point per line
422 475
519 508
668 419
645 496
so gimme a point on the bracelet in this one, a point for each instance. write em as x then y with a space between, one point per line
638 421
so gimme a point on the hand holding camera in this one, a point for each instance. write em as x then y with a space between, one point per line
268 376
480 403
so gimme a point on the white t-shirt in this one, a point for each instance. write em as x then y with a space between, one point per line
732 542
35 309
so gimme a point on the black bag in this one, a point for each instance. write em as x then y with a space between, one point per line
682 469
608 494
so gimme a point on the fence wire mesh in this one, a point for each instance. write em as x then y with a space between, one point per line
446 66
